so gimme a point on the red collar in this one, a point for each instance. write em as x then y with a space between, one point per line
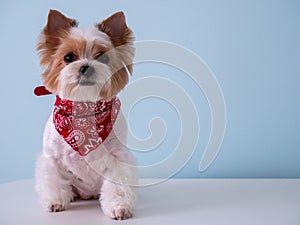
85 125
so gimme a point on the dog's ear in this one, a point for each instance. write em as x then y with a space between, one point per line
116 28
57 22
57 27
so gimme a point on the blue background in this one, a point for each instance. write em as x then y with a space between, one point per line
253 48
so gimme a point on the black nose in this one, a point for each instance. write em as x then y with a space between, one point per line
86 70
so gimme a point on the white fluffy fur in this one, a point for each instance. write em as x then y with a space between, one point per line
108 171
91 34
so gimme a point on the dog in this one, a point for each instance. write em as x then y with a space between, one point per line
84 146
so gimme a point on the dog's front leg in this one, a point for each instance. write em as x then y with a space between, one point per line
53 188
118 194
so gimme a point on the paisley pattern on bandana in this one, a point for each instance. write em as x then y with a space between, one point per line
85 125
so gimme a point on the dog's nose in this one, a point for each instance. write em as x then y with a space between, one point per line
87 70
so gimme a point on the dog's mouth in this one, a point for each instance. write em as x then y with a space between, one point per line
86 83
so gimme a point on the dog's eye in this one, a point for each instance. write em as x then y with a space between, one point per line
103 58
70 57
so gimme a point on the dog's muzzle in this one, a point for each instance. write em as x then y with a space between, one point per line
86 71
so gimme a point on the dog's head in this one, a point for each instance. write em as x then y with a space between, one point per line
85 64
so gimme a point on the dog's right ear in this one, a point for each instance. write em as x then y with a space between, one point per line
57 23
57 28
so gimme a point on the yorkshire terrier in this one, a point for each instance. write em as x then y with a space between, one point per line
84 148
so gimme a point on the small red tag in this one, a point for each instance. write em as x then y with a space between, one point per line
41 90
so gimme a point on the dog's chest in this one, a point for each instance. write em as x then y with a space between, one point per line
84 178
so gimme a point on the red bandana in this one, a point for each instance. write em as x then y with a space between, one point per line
85 125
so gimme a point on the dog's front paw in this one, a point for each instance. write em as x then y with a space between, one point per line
56 207
119 212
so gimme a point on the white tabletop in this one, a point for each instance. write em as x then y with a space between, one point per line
177 201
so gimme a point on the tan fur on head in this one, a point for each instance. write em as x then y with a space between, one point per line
62 36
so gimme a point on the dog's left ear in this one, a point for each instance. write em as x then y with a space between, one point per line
115 27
